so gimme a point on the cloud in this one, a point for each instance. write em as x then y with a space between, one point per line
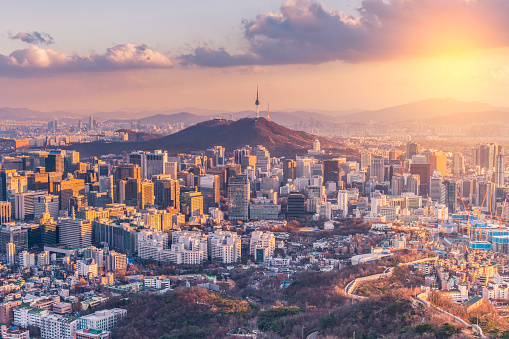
40 61
305 32
34 37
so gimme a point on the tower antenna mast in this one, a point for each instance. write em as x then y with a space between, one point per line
257 103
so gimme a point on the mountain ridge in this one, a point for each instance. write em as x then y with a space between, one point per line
279 140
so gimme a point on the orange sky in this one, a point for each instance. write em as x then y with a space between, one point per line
302 55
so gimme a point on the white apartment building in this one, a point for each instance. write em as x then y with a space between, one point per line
224 247
102 320
87 268
262 245
52 326
27 259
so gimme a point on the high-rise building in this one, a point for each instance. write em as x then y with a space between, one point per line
289 171
5 211
55 162
17 235
413 183
451 195
77 202
412 148
435 188
167 193
331 169
49 203
25 204
485 195
126 171
155 163
296 205
66 189
10 249
216 153
438 162
239 194
486 155
397 185
170 168
303 169
75 232
424 172
139 158
146 194
191 203
499 170
458 164
262 158
209 188
377 169
365 160
343 202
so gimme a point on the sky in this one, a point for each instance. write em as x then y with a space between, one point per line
328 55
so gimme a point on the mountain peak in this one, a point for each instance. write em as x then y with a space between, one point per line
279 140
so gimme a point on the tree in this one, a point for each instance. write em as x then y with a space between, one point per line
422 328
77 306
446 331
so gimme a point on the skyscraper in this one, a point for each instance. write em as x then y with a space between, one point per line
289 171
343 202
486 155
239 194
412 148
75 232
458 164
146 194
167 193
66 189
55 162
377 169
365 160
191 204
397 185
331 169
438 162
499 170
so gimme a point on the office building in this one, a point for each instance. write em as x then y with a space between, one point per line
412 148
289 171
499 170
146 194
239 195
55 162
296 205
377 169
5 212
191 204
16 235
75 232
66 189
438 162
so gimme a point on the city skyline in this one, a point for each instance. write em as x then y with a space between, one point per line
308 54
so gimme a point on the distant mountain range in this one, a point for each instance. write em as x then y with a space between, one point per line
420 110
279 140
139 136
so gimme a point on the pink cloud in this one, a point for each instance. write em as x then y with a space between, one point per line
38 61
305 32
